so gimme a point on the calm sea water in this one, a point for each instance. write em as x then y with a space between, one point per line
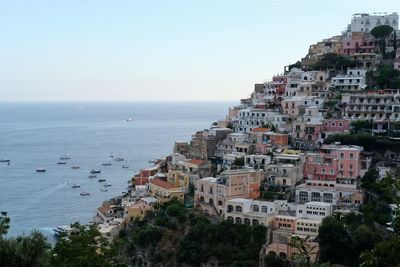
33 135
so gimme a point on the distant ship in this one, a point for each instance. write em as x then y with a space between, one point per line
101 180
107 185
40 170
119 159
84 194
65 156
129 119
61 162
95 171
5 160
76 186
92 176
106 164
75 167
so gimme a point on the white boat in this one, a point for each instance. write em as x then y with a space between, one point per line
129 119
85 194
103 190
65 156
40 170
75 167
125 165
119 159
76 186
92 176
107 185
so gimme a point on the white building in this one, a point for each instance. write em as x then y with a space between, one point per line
354 79
364 22
249 211
314 210
248 119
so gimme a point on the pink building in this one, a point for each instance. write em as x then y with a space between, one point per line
335 162
264 139
336 125
359 43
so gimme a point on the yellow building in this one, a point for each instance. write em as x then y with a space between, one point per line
165 191
139 208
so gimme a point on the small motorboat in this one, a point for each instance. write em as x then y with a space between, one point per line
125 166
76 186
119 159
95 171
129 119
111 155
107 185
40 170
61 163
75 167
103 190
92 176
106 164
5 160
101 180
85 194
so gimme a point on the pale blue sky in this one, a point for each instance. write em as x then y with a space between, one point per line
55 50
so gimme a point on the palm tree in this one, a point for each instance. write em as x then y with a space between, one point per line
369 259
304 247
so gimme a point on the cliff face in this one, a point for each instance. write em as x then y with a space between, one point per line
176 236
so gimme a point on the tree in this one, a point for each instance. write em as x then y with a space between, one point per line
380 33
4 223
239 162
335 241
84 246
305 249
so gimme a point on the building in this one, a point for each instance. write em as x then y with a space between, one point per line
248 119
286 170
202 145
337 163
353 80
329 192
364 22
249 211
212 193
138 208
382 107
165 191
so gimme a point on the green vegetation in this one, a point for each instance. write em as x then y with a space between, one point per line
83 247
239 162
384 77
336 62
381 32
176 236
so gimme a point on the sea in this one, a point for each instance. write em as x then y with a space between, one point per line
36 134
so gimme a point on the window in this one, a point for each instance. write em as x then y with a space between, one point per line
219 202
255 222
315 196
341 155
246 221
202 199
211 201
303 197
238 220
230 208
328 198
238 209
256 208
229 219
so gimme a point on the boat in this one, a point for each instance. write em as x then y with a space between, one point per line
61 162
119 159
101 180
84 194
111 155
125 166
59 230
152 161
76 186
5 160
95 171
106 164
65 156
92 176
107 185
129 119
103 190
40 170
75 167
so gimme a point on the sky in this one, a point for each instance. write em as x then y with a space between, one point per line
165 50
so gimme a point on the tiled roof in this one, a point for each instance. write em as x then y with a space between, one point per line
196 161
162 183
260 130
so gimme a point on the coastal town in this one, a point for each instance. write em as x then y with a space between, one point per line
284 157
